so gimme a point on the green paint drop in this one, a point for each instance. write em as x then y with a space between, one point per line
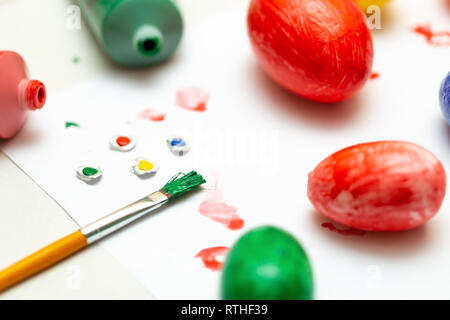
72 124
75 60
88 171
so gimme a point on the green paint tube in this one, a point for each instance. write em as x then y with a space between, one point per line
134 33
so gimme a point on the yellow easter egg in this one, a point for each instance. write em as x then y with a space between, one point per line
364 4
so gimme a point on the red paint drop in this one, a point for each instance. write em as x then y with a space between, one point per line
192 98
123 141
152 115
374 75
348 232
434 38
209 256
215 208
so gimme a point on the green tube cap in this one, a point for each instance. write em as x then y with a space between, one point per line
148 40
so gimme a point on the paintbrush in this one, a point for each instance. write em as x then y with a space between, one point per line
64 247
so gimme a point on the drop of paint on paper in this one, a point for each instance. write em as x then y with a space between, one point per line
122 143
152 115
192 98
209 257
69 124
374 75
89 174
144 168
178 145
215 208
88 171
344 232
75 60
434 38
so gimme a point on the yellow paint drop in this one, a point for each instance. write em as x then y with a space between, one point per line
145 165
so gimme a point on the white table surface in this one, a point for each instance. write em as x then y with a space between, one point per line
30 218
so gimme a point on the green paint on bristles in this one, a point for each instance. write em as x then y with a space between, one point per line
182 183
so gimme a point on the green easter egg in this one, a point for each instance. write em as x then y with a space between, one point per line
267 264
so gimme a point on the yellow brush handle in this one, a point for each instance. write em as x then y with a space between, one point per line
42 259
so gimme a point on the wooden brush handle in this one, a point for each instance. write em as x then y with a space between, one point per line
42 259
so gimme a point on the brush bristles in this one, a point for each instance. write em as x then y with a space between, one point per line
182 183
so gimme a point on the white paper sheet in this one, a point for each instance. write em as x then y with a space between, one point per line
260 142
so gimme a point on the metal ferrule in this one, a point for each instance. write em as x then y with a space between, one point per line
124 216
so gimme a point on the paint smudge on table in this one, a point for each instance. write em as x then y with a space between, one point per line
70 124
209 257
374 75
152 115
434 38
215 208
344 232
192 98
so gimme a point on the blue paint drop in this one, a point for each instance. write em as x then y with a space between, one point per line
177 143
444 97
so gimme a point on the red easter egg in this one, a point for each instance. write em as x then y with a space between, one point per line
379 186
319 49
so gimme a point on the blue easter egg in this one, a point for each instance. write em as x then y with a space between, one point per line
444 97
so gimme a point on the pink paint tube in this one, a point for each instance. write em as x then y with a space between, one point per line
18 94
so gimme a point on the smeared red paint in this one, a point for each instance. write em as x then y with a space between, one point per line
374 75
152 115
348 232
192 98
209 257
123 141
434 38
215 208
